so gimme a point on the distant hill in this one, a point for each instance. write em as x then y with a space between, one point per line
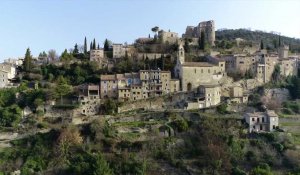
270 40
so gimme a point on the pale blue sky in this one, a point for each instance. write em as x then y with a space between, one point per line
59 24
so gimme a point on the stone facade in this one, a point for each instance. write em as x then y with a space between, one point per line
97 55
237 95
168 37
136 86
260 65
207 27
288 66
194 74
206 96
262 121
89 99
283 51
150 56
7 73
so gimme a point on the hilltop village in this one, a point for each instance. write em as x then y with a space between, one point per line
153 97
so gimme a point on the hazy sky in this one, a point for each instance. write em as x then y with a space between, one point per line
59 24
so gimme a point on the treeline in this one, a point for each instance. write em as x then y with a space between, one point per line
271 41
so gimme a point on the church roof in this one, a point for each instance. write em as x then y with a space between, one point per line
197 64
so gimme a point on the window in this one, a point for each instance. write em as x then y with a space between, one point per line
257 119
260 127
274 127
263 119
253 119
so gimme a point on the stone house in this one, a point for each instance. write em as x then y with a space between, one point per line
137 85
237 95
7 73
205 97
194 74
168 37
97 55
288 66
89 99
262 121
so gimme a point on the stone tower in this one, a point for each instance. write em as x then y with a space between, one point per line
283 51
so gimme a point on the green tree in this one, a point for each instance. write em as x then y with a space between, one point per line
107 45
65 56
85 46
94 44
75 51
10 116
62 88
262 45
202 41
187 45
27 63
276 73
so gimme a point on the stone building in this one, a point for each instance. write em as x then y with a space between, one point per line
149 56
194 74
89 99
262 121
7 73
120 51
288 66
135 86
97 55
237 95
168 37
207 27
283 51
206 96
261 65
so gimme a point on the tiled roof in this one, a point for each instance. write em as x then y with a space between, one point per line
197 64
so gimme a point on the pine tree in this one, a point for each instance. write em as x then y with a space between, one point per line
85 46
27 63
94 44
75 51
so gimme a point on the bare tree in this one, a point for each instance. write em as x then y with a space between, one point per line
52 55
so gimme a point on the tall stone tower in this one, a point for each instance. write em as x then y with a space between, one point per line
208 27
283 51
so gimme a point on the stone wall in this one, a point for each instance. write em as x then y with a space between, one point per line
152 103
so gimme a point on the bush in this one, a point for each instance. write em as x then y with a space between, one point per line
237 171
222 109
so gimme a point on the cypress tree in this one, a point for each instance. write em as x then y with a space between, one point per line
94 44
279 41
106 45
27 60
261 45
98 47
85 45
202 41
91 46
